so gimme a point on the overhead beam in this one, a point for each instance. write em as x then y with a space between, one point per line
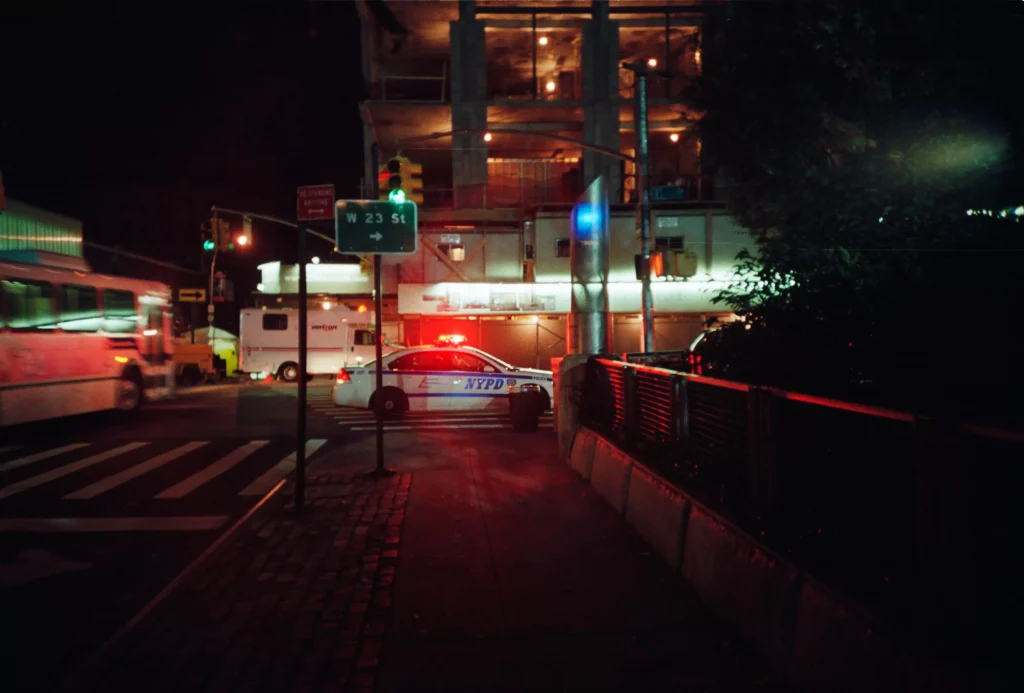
445 260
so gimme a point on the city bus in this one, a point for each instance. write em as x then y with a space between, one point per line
73 341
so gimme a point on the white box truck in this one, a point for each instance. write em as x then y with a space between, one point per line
269 341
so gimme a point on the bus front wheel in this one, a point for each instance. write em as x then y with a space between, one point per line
129 392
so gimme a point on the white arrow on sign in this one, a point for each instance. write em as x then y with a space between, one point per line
377 236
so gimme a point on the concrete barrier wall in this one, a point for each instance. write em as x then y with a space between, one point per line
610 474
753 590
581 455
658 512
820 639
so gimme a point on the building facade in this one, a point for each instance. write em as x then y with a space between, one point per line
494 99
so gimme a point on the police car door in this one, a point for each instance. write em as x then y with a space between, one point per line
425 377
477 383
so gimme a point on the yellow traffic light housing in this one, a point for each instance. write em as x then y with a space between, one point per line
401 180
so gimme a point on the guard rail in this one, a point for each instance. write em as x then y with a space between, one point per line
913 515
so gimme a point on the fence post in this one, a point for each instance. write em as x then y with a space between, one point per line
630 404
762 448
941 517
681 408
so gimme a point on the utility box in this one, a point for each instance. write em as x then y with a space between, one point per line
685 263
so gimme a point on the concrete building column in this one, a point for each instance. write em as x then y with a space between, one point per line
600 98
469 107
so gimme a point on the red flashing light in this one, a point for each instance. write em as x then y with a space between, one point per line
343 376
450 340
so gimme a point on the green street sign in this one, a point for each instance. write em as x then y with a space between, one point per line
372 227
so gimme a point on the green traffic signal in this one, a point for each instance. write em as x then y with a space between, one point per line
397 196
207 245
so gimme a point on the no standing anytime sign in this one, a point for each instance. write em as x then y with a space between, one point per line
316 202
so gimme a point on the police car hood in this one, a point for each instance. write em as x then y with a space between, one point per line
533 372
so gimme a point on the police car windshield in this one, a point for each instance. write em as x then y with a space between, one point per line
502 364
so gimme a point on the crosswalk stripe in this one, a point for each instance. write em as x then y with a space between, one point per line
62 525
266 481
59 472
438 426
183 488
428 427
38 457
115 480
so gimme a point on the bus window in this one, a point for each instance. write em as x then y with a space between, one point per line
119 312
79 310
28 304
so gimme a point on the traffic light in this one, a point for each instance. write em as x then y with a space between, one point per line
244 239
400 180
209 236
224 240
395 192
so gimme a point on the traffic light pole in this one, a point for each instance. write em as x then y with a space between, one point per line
378 307
210 310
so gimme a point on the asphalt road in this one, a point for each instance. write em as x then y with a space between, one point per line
99 513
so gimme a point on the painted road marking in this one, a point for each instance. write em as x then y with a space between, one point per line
8 448
59 472
183 488
437 427
39 456
267 480
59 525
115 480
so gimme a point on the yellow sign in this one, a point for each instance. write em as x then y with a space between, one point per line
192 295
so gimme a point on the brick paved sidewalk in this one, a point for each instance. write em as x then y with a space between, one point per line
285 604
509 574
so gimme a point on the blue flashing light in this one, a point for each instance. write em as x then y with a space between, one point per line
587 219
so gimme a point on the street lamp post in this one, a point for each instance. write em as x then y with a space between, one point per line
644 199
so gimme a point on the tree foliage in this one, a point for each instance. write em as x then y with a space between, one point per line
852 139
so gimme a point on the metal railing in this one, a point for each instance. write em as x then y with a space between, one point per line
910 514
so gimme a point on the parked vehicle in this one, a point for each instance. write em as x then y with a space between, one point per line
269 341
447 376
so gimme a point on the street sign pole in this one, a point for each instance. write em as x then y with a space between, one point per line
300 435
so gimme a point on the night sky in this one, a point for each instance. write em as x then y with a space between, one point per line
136 118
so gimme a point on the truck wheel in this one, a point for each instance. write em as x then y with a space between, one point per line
289 372
191 376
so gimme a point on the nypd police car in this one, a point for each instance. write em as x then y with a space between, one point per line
444 377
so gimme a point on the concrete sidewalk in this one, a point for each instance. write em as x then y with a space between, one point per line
480 567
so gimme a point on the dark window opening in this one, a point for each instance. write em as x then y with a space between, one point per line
562 247
669 243
275 321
